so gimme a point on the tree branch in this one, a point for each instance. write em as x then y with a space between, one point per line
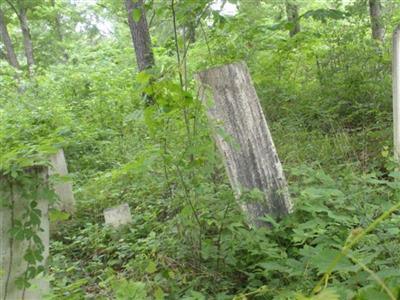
13 7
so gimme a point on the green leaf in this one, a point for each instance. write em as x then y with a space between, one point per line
143 77
323 259
275 266
151 267
33 256
35 217
326 294
159 294
130 290
372 293
57 215
324 14
194 295
22 283
136 14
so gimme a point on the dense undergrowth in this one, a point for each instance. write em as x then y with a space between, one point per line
327 96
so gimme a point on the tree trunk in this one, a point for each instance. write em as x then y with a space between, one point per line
190 31
396 92
10 52
378 31
140 34
292 12
27 39
249 153
58 30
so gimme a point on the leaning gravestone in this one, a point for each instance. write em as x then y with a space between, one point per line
249 153
118 215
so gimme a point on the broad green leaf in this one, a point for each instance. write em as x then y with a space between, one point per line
159 294
326 294
151 267
136 14
57 215
323 259
143 77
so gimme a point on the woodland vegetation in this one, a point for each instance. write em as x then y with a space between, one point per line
113 84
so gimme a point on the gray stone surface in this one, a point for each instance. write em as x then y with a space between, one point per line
12 251
118 215
12 263
249 153
63 190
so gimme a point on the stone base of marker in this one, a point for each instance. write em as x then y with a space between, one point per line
66 201
118 215
12 251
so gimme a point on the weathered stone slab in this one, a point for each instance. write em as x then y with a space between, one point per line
249 154
63 190
118 215
12 251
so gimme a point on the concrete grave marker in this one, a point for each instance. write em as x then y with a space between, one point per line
63 190
12 251
118 215
250 159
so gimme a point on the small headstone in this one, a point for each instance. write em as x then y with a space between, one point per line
118 215
63 190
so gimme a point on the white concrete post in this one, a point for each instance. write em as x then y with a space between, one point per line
12 251
396 92
63 190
